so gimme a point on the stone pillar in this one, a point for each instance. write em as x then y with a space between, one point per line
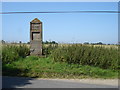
36 37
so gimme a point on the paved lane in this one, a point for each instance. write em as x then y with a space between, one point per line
21 82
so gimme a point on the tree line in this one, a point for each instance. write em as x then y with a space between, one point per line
54 42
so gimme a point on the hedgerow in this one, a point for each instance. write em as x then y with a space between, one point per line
106 58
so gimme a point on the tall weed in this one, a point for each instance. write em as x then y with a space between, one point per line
87 55
12 53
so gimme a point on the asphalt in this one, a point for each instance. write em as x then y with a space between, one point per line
22 82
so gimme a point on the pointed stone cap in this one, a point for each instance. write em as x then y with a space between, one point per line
36 20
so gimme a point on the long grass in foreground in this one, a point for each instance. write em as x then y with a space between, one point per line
11 53
47 68
106 58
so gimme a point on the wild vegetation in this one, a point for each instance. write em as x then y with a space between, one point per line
106 58
48 48
61 61
46 68
11 53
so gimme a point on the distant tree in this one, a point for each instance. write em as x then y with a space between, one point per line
46 42
93 43
28 42
20 42
118 43
53 42
112 44
3 42
50 42
86 42
99 43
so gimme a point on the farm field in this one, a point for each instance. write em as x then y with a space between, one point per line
61 61
60 45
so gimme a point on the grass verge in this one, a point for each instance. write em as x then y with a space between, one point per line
46 68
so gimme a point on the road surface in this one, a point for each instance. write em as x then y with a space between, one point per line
22 82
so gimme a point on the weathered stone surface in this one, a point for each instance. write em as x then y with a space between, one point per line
36 37
36 20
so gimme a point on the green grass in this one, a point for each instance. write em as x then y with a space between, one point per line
47 68
74 61
11 53
106 58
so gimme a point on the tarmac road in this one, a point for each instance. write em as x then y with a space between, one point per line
22 82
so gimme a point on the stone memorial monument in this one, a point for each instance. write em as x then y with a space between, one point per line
36 37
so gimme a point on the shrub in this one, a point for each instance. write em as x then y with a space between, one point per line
48 48
87 55
12 53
